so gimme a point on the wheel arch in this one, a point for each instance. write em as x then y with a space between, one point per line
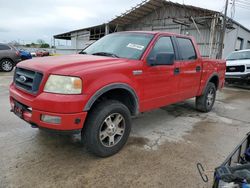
116 91
214 78
7 58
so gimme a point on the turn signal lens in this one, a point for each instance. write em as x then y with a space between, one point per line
77 84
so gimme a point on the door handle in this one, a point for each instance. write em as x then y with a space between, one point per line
198 69
176 71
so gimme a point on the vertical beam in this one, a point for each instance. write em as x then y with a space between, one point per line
212 36
222 35
76 41
54 44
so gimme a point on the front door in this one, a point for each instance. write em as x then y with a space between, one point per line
160 81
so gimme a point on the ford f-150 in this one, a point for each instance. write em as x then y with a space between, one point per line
97 91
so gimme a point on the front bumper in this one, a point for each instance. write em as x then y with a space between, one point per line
70 120
237 76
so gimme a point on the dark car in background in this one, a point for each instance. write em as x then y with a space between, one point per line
9 57
25 54
42 53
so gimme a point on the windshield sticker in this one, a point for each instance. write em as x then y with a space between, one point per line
135 46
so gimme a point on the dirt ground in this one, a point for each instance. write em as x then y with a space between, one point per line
163 149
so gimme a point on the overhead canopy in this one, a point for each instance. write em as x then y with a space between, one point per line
98 29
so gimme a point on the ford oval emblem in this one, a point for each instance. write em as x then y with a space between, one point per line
232 68
22 78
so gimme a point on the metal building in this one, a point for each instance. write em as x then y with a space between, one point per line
160 15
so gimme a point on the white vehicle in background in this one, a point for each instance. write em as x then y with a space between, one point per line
33 54
238 66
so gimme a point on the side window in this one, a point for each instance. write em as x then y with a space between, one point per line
4 47
186 49
164 44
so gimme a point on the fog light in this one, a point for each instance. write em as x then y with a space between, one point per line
51 119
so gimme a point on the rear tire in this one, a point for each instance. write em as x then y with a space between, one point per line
205 102
7 65
107 128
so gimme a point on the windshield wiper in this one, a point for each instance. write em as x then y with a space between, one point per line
106 54
82 52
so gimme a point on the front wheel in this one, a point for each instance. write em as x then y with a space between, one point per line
205 102
107 128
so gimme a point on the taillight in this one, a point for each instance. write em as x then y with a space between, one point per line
17 53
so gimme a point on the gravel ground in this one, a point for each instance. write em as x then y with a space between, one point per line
162 151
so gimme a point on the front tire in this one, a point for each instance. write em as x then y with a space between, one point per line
205 102
107 128
7 65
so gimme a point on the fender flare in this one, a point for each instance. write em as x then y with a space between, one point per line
208 80
111 87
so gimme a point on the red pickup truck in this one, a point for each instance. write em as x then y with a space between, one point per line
97 91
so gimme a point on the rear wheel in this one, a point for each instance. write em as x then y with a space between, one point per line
6 65
205 102
107 128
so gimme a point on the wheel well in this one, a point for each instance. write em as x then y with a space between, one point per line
7 59
215 81
122 95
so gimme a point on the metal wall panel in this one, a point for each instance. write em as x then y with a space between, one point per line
162 20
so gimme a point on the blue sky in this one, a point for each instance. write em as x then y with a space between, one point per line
29 20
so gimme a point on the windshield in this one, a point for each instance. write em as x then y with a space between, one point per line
123 45
239 55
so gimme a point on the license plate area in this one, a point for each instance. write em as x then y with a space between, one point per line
18 109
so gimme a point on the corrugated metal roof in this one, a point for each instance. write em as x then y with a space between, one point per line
147 6
143 9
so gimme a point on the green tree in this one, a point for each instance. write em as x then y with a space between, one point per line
45 45
40 41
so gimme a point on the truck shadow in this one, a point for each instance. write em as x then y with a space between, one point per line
55 159
245 86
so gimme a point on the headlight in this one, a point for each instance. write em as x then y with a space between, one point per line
63 85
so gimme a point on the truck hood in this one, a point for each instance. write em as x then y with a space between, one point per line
68 64
238 62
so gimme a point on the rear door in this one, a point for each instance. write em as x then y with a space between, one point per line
190 68
160 81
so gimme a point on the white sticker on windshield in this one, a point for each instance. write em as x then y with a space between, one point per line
135 46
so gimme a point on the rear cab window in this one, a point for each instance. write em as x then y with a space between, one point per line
186 49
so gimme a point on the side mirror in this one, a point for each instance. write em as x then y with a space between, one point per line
164 59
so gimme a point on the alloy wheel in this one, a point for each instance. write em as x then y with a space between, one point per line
112 130
210 97
7 65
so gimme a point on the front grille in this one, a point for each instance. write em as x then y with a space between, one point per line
240 68
27 80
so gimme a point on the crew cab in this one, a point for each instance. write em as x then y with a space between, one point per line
238 66
97 91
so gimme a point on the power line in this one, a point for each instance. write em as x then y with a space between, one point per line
243 5
242 2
